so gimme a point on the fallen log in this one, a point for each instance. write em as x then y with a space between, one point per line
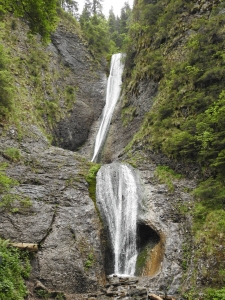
26 246
154 297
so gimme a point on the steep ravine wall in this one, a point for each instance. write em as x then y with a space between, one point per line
89 81
62 218
161 260
58 213
127 118
58 86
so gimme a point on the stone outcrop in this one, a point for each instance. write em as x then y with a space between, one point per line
162 230
124 125
59 216
161 208
89 82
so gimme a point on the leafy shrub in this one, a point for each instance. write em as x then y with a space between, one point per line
209 196
213 294
6 182
90 261
41 15
14 268
7 199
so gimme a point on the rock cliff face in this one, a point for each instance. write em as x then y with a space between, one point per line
161 212
127 119
60 218
162 230
89 81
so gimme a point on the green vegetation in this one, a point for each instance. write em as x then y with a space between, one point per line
90 261
186 256
167 175
35 90
14 268
141 260
167 44
209 197
128 114
13 154
211 239
6 182
14 202
41 15
212 294
45 294
119 26
91 180
104 37
95 30
9 200
7 89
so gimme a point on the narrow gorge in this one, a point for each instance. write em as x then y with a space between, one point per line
112 174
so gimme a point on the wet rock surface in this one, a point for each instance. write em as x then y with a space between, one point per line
162 229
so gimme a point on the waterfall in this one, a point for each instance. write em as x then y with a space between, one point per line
112 96
116 189
117 198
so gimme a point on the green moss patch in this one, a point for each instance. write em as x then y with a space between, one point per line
91 180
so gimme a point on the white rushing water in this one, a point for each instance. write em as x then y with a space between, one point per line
117 198
112 96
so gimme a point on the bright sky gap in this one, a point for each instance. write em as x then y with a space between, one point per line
107 4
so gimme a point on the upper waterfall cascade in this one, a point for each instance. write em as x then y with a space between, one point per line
112 96
117 198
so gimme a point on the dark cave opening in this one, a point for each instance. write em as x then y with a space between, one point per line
148 260
145 236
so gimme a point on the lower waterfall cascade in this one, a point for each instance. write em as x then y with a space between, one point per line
117 198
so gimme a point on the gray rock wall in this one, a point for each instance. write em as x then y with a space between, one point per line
161 211
123 127
89 81
61 217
